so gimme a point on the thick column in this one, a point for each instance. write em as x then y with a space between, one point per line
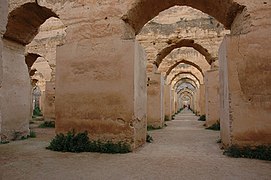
155 100
15 87
196 101
16 97
175 102
49 101
101 88
167 101
202 99
3 23
245 76
172 104
212 96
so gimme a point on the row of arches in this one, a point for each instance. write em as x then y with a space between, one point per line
102 96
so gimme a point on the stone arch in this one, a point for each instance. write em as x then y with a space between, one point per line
30 59
144 10
186 68
186 80
183 43
186 62
188 77
187 92
188 72
24 22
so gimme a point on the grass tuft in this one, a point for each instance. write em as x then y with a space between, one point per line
202 118
215 127
259 152
149 139
72 142
47 124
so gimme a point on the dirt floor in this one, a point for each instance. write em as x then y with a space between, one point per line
183 150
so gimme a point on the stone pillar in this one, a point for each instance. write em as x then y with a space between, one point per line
3 23
175 102
196 101
16 97
212 96
155 99
202 99
49 101
245 76
102 89
172 106
167 100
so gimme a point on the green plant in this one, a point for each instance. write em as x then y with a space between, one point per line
37 112
32 134
202 118
4 142
47 124
259 152
215 127
151 128
180 110
24 137
167 118
80 142
17 135
149 139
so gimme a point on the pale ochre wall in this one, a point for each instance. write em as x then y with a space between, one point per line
96 91
246 109
16 100
140 96
212 101
155 100
202 99
167 100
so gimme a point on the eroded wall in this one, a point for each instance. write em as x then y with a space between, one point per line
140 96
249 107
95 90
202 100
167 101
16 101
155 100
211 80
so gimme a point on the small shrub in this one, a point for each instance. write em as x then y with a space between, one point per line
32 134
4 142
151 128
149 139
180 110
219 141
80 142
17 135
215 127
47 124
259 152
202 118
24 137
37 112
166 118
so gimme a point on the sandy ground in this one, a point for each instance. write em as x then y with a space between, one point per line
183 150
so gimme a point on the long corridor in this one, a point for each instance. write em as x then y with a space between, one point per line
182 150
